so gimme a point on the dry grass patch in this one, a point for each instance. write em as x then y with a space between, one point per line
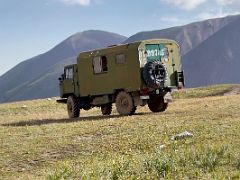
39 142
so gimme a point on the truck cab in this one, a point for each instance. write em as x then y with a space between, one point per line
68 82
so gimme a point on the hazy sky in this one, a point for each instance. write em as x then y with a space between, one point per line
32 27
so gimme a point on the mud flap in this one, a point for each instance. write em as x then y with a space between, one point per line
63 100
168 98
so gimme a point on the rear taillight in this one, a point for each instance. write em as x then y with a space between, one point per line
144 91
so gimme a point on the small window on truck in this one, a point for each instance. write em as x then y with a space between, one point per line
100 64
69 73
120 59
104 64
157 52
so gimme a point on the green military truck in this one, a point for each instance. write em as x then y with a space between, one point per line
128 75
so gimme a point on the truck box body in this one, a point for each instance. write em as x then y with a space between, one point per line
119 75
147 65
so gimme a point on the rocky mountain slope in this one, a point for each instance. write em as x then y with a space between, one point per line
216 60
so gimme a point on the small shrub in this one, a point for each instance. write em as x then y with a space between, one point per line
209 159
238 164
119 169
64 172
161 165
147 165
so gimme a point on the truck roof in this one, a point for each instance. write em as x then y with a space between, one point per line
120 47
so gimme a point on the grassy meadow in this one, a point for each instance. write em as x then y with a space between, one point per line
38 141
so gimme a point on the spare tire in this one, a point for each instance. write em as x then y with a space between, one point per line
154 74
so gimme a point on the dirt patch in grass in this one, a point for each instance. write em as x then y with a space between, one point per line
209 91
234 91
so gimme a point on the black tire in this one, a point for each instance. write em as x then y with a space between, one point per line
106 109
133 110
72 107
156 103
124 104
154 74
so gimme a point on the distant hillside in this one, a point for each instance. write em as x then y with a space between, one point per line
216 60
37 77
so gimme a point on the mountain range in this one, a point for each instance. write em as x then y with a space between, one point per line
210 55
37 77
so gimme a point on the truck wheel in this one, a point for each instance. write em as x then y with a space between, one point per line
133 110
154 74
72 107
125 104
106 109
156 103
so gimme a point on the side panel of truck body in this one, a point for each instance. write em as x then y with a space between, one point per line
125 75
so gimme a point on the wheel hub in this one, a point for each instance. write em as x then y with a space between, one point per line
124 102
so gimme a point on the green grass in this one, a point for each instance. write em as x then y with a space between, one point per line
38 141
